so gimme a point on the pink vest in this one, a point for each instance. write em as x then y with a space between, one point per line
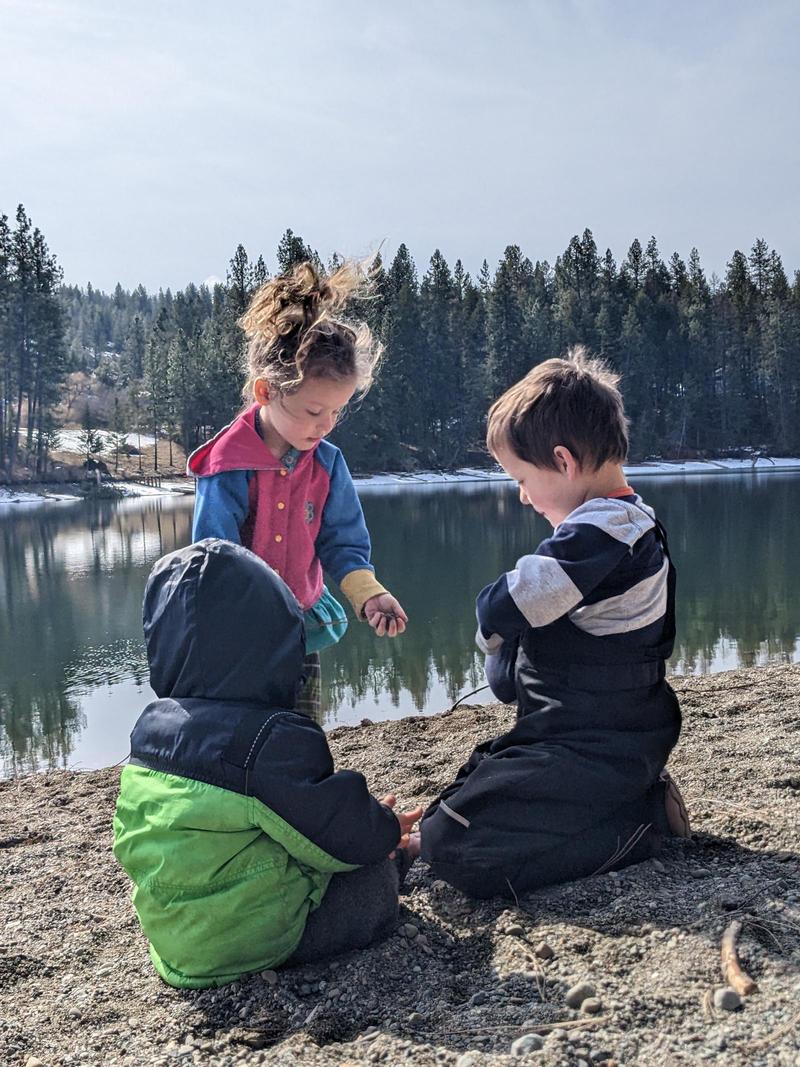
286 505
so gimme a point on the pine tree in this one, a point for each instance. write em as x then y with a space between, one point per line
293 250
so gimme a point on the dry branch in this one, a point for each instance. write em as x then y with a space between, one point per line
731 969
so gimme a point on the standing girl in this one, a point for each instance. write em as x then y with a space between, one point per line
271 482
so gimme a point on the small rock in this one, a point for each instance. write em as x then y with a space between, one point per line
592 1006
658 866
410 931
727 999
544 951
578 993
469 1059
478 998
270 977
33 1061
526 1043
515 931
416 1018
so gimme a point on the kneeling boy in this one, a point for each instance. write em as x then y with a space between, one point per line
578 632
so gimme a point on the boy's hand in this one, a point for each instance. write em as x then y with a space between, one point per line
385 615
405 818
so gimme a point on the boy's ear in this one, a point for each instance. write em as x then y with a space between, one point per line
261 391
566 463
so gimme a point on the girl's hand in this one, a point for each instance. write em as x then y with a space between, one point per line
385 615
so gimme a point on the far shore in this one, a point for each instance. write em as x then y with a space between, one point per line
38 493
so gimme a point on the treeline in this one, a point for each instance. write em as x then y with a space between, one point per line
708 365
33 356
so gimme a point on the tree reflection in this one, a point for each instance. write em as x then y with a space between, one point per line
71 583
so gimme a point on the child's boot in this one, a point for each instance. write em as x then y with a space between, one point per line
677 815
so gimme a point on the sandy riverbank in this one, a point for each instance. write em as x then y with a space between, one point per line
460 981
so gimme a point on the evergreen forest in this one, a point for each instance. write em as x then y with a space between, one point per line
710 366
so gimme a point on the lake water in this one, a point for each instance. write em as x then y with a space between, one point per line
73 673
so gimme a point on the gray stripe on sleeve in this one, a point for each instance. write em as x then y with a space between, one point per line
641 605
488 645
542 590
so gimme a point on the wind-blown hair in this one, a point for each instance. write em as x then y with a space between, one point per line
293 332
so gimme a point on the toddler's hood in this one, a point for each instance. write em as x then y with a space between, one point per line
220 624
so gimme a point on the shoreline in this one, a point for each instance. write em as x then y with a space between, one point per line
459 980
60 493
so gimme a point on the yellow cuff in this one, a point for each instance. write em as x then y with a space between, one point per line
359 586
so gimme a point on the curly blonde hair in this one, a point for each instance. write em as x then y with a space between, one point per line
293 333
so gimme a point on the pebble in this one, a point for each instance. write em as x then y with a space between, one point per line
415 1018
469 1059
592 1006
727 999
478 998
270 977
658 866
33 1061
544 951
515 931
410 930
526 1043
578 993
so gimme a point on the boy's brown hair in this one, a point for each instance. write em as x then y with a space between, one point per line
574 402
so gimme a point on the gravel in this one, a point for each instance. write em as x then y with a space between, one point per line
461 982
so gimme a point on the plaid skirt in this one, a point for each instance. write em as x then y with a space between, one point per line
309 698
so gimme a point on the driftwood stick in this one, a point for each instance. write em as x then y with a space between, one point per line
731 969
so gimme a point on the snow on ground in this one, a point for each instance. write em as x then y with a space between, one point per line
637 470
70 440
474 477
17 498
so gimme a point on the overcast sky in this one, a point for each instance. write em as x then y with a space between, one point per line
148 139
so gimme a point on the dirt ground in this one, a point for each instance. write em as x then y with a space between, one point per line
460 982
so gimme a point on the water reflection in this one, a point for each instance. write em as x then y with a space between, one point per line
73 674
71 581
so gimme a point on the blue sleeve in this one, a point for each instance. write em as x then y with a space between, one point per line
343 543
221 506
